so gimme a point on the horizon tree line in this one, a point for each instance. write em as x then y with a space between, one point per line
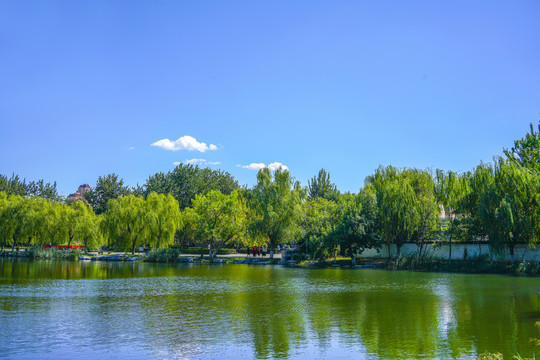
498 203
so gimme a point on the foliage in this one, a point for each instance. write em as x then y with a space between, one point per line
163 218
407 207
127 222
204 250
186 181
218 219
15 186
107 187
321 187
526 151
276 205
162 256
38 252
509 208
319 217
355 228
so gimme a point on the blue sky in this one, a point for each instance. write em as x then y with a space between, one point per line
86 87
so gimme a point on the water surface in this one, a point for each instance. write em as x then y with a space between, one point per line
61 310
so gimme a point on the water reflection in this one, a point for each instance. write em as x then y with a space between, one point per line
50 308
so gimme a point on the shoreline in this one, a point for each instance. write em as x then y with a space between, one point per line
404 263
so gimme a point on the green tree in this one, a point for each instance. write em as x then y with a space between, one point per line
321 187
426 206
126 222
164 218
526 151
55 228
16 186
407 207
318 219
186 181
87 226
107 187
355 230
510 208
276 205
219 219
450 190
6 223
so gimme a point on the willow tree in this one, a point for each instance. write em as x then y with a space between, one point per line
127 222
218 219
276 204
397 213
163 219
426 206
23 218
87 228
478 182
510 208
450 190
55 227
407 206
5 224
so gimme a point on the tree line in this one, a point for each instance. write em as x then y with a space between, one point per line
495 203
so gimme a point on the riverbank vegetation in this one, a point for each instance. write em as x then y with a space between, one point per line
497 204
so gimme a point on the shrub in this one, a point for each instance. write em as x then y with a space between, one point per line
38 252
204 251
162 255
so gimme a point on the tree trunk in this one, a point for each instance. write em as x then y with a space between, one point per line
353 260
450 249
398 251
210 251
388 251
133 247
13 246
271 249
511 246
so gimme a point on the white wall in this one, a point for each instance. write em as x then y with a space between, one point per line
521 252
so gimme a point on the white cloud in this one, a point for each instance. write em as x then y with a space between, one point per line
258 166
131 148
184 143
196 161
253 166
275 166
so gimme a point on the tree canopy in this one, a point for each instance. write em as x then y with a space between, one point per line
276 201
184 182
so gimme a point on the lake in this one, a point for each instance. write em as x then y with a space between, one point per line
67 310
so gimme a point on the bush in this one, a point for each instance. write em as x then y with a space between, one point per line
529 267
38 252
162 256
204 251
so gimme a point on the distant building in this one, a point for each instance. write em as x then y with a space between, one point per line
79 194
